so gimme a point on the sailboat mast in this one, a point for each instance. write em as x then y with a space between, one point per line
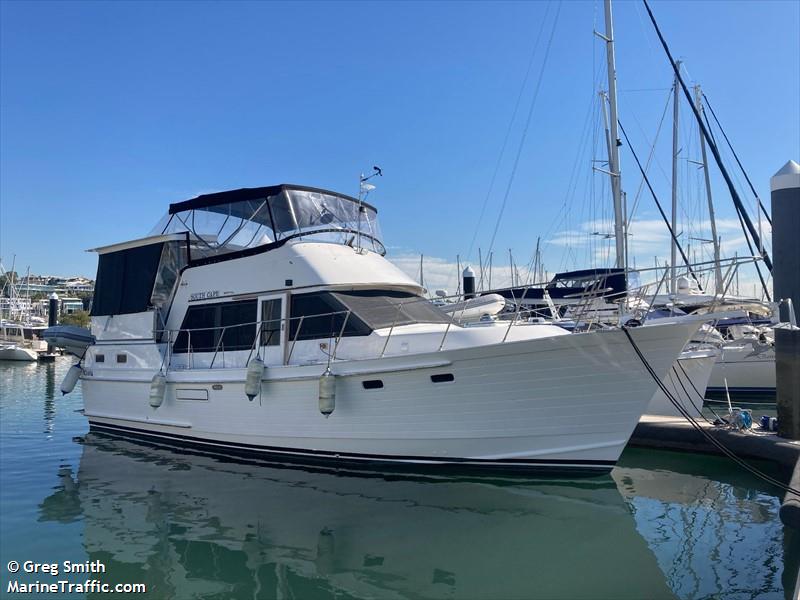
673 281
717 267
613 157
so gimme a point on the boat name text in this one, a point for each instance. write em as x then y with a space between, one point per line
204 295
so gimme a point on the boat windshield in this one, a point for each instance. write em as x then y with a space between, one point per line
243 219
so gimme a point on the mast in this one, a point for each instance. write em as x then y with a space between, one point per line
698 94
737 201
673 281
480 270
511 264
613 157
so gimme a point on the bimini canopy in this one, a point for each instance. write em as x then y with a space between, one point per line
243 219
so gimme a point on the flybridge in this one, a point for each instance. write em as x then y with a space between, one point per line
248 218
137 275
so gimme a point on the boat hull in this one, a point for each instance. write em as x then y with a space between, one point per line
749 374
564 403
686 381
16 353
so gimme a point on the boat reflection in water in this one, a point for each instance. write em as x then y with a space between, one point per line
713 527
194 526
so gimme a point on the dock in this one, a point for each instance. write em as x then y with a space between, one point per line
675 433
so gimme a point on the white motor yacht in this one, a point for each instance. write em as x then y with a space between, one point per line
268 321
15 345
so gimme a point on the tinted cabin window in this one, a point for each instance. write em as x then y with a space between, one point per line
384 308
238 319
125 280
317 319
203 326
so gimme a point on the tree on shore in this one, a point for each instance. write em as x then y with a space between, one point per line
79 318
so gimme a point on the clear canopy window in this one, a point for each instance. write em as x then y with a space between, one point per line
242 219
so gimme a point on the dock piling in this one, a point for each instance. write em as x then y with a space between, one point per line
785 195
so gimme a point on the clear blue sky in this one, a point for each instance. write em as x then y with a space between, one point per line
109 111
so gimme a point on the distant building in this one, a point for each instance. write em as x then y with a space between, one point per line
47 284
75 293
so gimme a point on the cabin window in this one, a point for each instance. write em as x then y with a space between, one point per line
173 259
239 321
122 358
224 326
271 322
320 315
372 384
100 358
384 308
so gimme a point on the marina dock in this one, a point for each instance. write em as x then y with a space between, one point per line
675 433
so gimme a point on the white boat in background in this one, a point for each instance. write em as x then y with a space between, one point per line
687 382
14 345
745 371
248 313
11 351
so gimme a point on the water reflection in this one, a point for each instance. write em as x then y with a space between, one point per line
193 526
49 396
713 527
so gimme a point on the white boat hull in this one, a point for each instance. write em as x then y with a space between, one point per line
567 402
17 353
748 372
686 381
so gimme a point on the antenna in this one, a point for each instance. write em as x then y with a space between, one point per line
364 189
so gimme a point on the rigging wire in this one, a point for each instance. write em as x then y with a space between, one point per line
525 130
661 210
741 221
752 253
508 132
738 162
737 201
637 197
572 185
702 430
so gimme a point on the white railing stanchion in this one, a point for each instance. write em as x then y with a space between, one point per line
294 339
444 337
391 329
339 339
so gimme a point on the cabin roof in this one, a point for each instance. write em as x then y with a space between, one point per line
243 194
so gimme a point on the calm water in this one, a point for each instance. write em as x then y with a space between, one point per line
662 525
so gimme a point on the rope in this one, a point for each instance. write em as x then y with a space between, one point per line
686 392
699 395
714 442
